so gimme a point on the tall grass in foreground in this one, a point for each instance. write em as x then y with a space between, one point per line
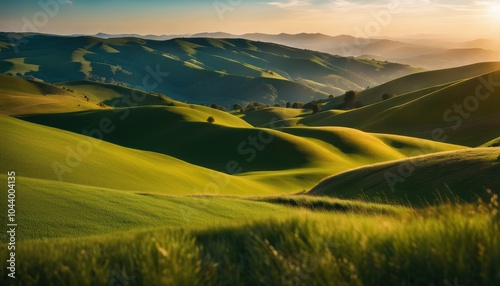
434 246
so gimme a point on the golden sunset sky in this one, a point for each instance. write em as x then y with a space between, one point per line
455 19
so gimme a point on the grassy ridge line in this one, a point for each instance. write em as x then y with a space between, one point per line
422 180
275 116
278 162
364 115
209 145
113 95
49 209
365 148
334 205
310 249
19 96
493 143
464 116
17 84
214 145
471 129
32 150
153 172
423 80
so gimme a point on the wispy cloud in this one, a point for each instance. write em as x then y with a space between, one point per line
484 3
342 3
473 6
291 3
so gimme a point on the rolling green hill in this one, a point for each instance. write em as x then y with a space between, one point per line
50 154
19 96
182 133
355 145
274 117
424 80
420 181
55 209
420 83
465 113
116 96
198 70
160 196
303 247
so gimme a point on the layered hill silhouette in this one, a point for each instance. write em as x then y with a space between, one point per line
464 111
231 145
424 51
275 150
198 70
463 175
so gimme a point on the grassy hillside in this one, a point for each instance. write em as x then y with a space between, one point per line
199 70
274 117
454 113
364 148
493 143
19 96
363 115
451 245
423 80
429 179
147 192
269 155
54 155
116 96
51 209
196 141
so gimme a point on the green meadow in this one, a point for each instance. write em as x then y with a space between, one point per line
120 185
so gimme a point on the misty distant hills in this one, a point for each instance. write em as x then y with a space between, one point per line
198 70
424 51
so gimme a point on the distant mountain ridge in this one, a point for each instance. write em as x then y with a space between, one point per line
198 70
423 51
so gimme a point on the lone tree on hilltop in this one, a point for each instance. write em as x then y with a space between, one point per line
316 108
349 99
210 119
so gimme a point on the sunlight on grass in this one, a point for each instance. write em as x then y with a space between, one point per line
432 245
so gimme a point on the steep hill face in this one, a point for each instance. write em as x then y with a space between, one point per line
465 112
198 70
424 80
429 179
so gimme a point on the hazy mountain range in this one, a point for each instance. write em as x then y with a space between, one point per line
198 70
425 51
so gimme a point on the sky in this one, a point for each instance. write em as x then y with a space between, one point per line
365 18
